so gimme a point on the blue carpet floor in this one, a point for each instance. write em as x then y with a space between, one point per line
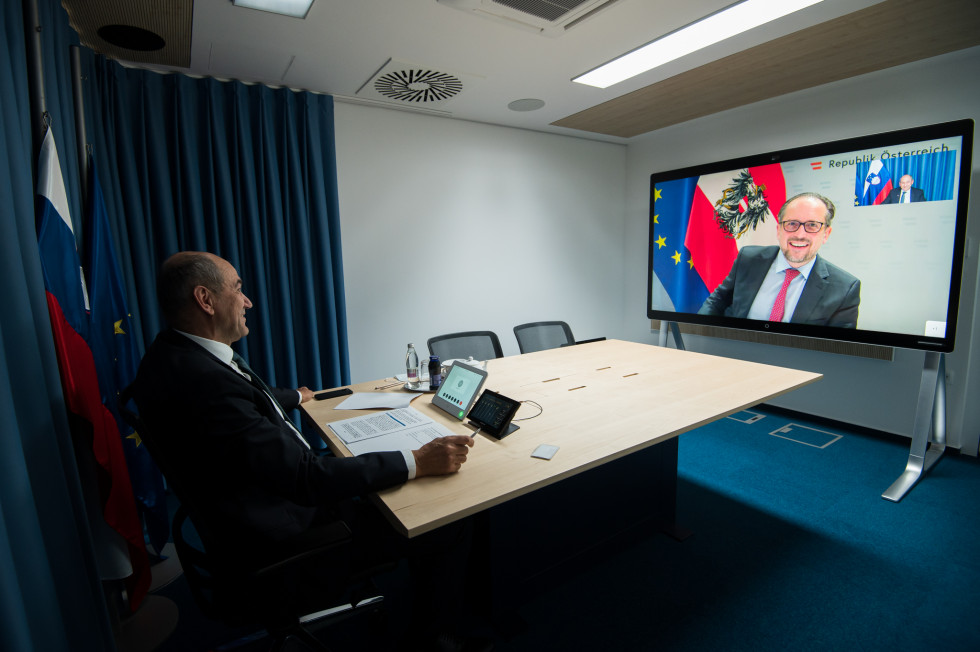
791 548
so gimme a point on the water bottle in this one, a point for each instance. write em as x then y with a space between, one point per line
412 366
435 372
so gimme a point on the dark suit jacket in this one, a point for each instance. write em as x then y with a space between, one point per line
830 297
895 194
226 445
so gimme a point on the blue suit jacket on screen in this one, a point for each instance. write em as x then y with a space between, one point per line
895 195
830 297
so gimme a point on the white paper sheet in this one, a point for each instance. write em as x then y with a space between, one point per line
394 430
368 400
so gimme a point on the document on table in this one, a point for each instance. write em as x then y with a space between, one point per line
370 400
395 430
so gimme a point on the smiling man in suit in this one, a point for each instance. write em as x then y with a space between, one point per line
254 478
790 282
905 193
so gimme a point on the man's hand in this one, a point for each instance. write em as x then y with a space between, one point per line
442 456
306 394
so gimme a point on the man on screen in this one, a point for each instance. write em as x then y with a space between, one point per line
790 282
905 193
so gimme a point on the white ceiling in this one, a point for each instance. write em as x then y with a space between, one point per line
341 44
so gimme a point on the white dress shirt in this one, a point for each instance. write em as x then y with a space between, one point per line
769 290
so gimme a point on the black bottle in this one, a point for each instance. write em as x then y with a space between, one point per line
435 372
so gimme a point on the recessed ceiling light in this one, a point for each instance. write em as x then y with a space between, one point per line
294 8
709 30
131 38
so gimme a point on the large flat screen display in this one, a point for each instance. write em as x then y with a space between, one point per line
857 240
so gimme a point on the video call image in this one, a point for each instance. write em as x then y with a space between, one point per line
893 231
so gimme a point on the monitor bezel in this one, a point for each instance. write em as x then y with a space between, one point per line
961 128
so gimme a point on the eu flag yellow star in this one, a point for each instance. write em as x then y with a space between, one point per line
135 436
676 258
117 328
661 242
656 193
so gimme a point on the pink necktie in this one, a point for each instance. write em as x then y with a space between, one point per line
780 305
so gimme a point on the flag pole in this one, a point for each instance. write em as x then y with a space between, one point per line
81 138
35 77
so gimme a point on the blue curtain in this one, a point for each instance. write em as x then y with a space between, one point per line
245 172
50 592
935 173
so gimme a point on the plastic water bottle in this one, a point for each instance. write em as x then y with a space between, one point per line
435 372
412 366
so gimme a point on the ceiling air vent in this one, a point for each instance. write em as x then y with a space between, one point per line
409 84
547 17
415 85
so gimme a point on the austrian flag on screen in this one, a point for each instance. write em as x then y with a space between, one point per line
701 222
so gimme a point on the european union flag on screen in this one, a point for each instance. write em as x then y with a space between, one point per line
672 261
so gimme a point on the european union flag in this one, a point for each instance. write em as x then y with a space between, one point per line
672 261
117 360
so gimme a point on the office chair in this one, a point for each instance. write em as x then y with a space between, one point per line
481 345
541 335
261 591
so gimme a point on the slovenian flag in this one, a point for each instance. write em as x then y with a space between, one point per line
872 184
68 309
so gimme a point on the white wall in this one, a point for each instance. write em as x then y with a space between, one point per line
452 226
449 225
870 393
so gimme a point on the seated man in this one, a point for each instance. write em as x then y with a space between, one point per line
905 193
790 282
254 477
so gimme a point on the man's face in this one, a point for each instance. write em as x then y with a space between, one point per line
800 247
905 183
230 304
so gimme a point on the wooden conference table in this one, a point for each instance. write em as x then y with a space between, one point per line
601 402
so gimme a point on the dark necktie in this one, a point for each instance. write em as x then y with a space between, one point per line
257 381
902 200
253 377
779 307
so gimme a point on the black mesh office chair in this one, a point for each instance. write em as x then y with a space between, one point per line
541 335
481 345
263 591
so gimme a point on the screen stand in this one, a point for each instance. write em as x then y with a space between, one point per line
675 329
929 428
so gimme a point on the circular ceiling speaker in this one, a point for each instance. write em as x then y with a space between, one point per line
418 85
529 104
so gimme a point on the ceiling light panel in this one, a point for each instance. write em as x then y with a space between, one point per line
292 8
709 30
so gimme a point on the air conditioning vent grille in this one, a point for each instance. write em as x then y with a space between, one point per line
550 10
418 85
550 18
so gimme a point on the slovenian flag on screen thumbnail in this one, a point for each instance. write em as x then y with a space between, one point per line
691 253
874 185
